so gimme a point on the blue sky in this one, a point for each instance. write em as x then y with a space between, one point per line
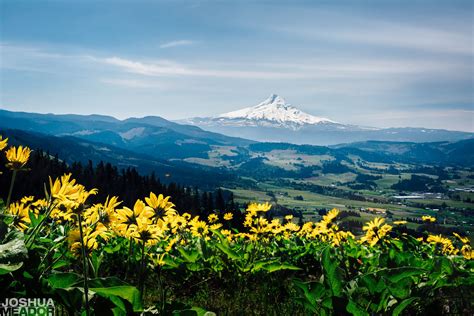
373 63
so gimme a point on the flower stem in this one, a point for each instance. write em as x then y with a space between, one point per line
162 290
31 237
85 266
141 284
127 269
11 187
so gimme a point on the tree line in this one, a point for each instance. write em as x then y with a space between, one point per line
126 183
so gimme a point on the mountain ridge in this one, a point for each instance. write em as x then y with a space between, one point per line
275 120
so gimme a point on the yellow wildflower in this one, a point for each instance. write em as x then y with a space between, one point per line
161 206
3 142
467 252
20 214
399 222
89 239
429 219
376 231
338 237
17 157
187 216
464 240
102 214
215 226
171 243
199 228
126 219
157 259
145 231
254 208
228 216
212 218
290 226
68 194
447 245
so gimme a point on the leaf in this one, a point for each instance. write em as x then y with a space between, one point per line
404 304
63 280
126 292
35 220
446 266
193 311
190 256
331 273
354 309
272 267
404 272
59 264
228 251
304 287
14 250
111 250
7 268
96 261
106 282
370 283
401 289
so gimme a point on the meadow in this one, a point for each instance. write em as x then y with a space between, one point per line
108 258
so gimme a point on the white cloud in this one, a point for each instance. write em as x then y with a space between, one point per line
133 83
455 119
382 33
168 68
177 43
306 69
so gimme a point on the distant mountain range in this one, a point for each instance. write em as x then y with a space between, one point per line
275 120
73 149
192 156
151 135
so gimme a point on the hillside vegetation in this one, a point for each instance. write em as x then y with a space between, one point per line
106 258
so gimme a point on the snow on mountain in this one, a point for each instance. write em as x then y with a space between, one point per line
275 109
273 112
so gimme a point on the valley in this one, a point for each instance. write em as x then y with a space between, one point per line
400 180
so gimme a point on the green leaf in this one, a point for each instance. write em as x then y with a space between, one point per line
304 287
404 272
63 280
7 268
272 267
193 311
111 250
446 266
13 251
355 309
59 264
128 293
401 289
190 256
228 251
331 273
404 304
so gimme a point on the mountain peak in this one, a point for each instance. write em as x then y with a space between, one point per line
275 110
274 99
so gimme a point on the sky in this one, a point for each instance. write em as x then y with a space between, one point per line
372 63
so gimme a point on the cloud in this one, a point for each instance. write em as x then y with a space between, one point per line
305 69
177 43
456 119
169 68
388 34
133 83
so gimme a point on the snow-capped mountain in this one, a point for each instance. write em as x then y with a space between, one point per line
278 121
274 111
